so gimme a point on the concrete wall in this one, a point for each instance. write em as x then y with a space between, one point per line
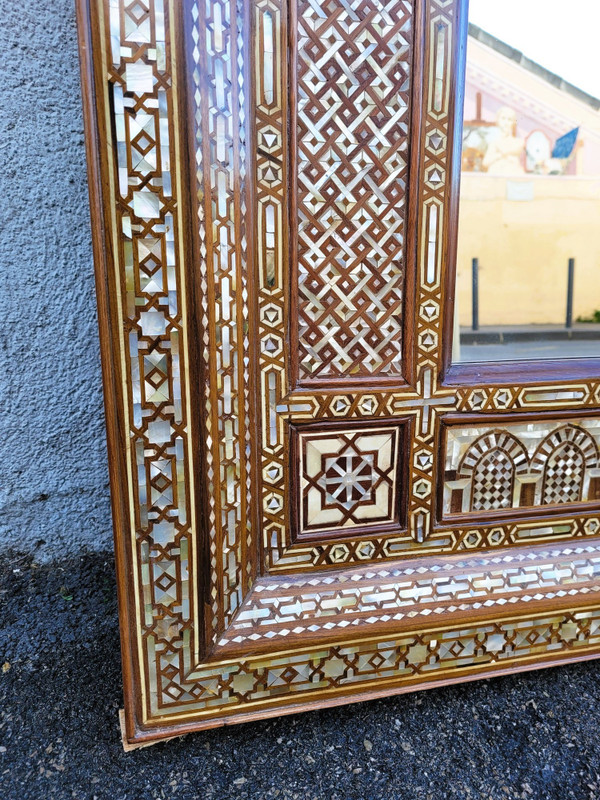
54 488
54 497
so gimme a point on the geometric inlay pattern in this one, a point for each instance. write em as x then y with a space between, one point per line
353 85
348 478
278 198
549 462
220 129
407 591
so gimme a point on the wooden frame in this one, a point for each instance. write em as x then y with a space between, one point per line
224 617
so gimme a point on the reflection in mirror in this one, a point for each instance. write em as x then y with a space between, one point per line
528 260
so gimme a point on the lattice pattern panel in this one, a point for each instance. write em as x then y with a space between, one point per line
493 481
424 401
347 478
352 118
521 465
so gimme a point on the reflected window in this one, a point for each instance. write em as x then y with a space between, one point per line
528 260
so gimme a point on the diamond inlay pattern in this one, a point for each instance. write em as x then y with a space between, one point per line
352 126
563 478
493 480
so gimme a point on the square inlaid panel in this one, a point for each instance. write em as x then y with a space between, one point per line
349 477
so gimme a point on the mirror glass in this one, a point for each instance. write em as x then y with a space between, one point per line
528 261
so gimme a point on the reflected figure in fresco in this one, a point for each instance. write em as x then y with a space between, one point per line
503 155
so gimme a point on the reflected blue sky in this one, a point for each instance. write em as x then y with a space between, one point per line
561 36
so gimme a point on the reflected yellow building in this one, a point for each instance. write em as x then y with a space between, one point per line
524 209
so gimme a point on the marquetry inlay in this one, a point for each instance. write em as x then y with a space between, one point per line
348 478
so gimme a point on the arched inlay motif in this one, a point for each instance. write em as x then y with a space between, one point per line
563 458
491 464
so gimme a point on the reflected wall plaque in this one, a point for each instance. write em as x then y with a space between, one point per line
312 504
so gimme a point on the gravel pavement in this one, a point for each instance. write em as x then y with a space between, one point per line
532 736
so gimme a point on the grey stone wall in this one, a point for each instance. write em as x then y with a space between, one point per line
54 497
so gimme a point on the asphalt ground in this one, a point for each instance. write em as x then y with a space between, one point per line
532 736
